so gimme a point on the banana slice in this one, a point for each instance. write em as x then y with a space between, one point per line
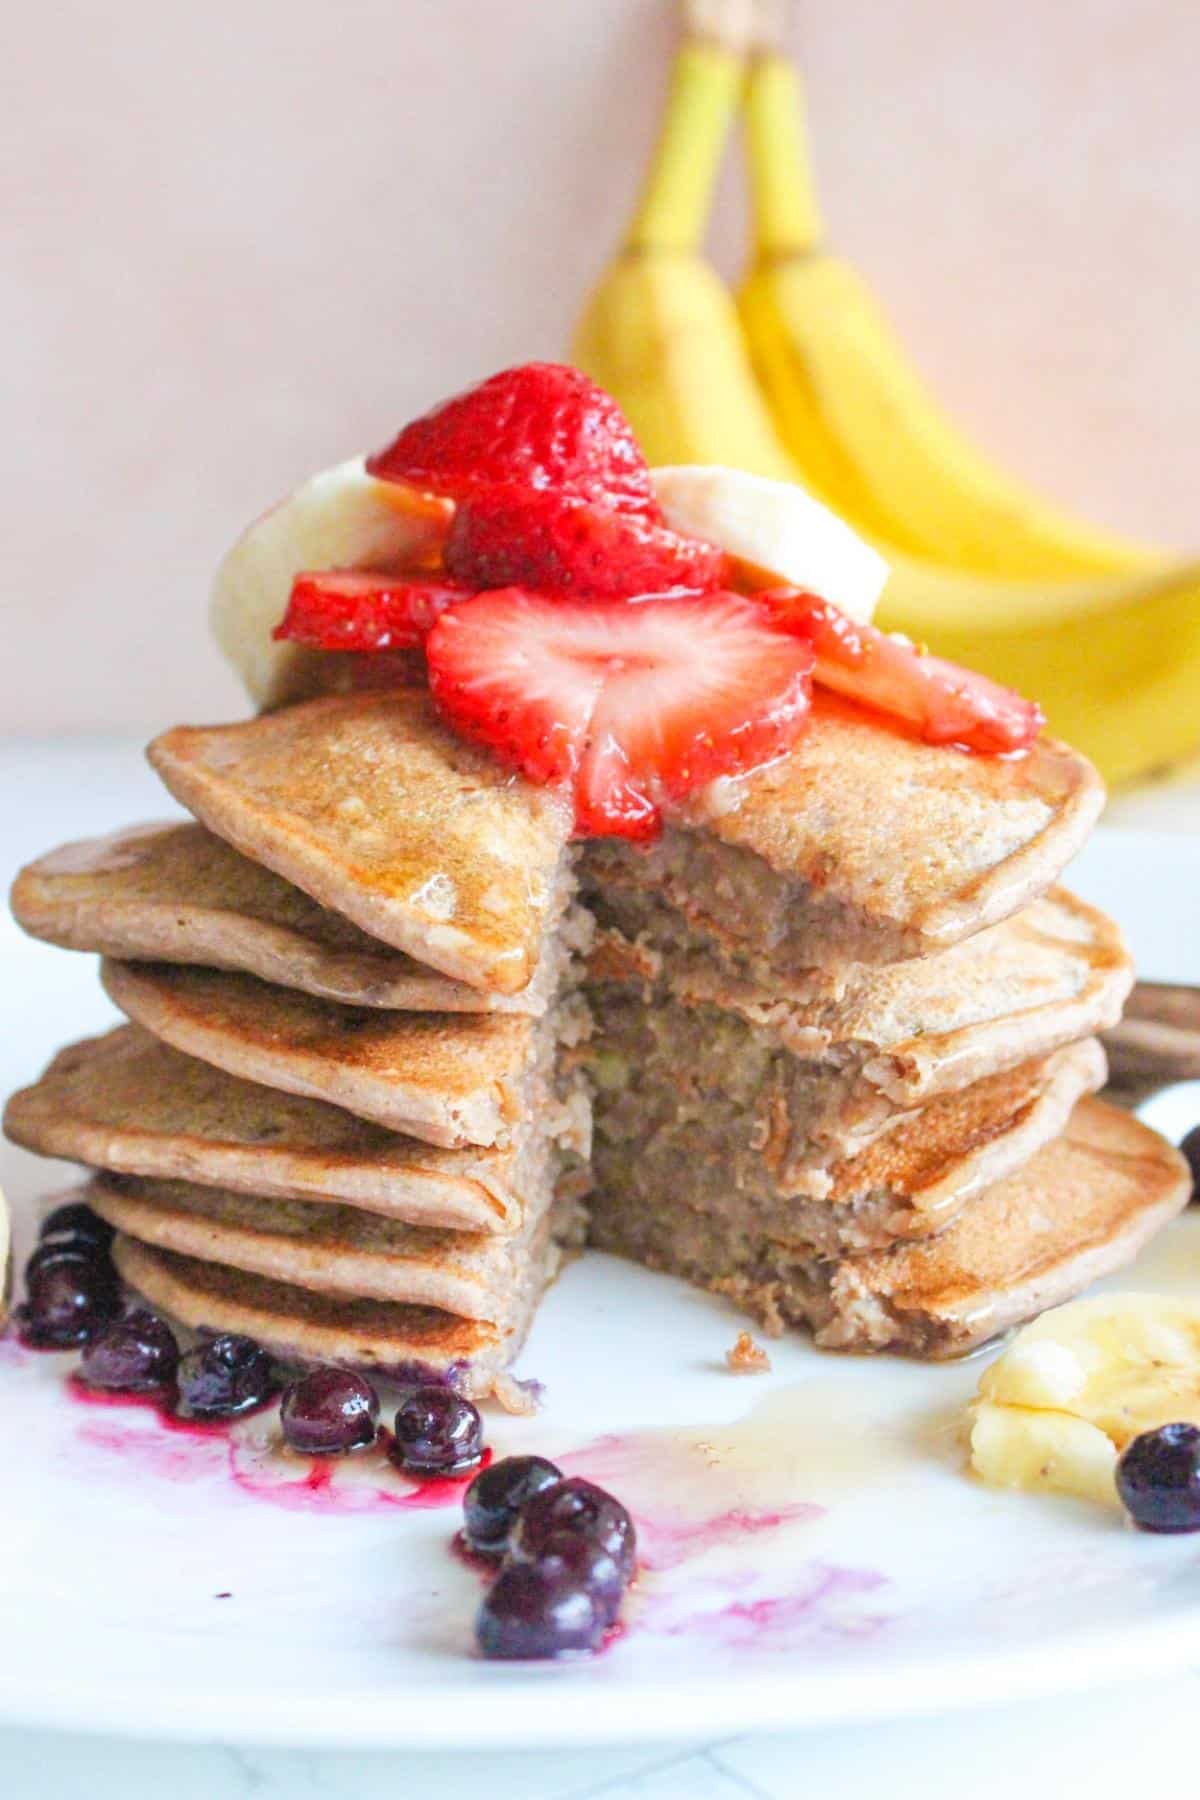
776 530
1079 1384
341 519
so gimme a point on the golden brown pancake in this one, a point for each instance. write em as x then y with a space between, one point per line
406 1343
128 1102
908 1184
865 845
373 807
1081 1207
177 893
338 1250
822 1079
448 1078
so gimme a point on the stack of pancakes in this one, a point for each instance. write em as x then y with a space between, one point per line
835 1032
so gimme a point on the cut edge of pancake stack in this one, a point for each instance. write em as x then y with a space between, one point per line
840 1057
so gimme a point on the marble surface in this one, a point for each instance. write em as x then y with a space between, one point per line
1102 1744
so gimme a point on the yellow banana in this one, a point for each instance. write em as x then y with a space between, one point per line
1114 657
661 332
856 417
1114 662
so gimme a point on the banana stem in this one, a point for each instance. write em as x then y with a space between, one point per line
787 218
705 90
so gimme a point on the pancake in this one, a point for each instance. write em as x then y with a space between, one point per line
129 1103
447 1078
176 893
822 1079
909 1184
404 1343
1082 1206
372 806
340 1250
864 845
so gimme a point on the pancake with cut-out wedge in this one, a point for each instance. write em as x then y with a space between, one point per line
129 1103
448 1078
863 845
910 1183
177 893
404 1343
817 1081
340 1250
372 806
1081 1207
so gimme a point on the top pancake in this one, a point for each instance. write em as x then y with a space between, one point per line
865 845
177 893
373 807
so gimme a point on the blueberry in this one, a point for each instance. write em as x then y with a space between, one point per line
536 1611
575 1506
1158 1479
493 1500
225 1376
438 1432
71 1292
135 1354
1191 1154
328 1412
589 1565
77 1224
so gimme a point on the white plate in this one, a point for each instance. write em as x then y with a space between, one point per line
815 1550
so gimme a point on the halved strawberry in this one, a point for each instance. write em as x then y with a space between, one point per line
945 703
629 706
540 425
345 609
517 537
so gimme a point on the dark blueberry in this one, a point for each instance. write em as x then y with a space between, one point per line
493 1500
225 1376
1191 1152
1158 1479
77 1250
531 1611
76 1223
328 1412
581 1507
438 1432
70 1294
580 1559
134 1355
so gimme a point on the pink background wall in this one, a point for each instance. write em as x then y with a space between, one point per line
250 239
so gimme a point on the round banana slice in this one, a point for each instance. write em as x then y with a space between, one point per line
341 519
776 530
1079 1384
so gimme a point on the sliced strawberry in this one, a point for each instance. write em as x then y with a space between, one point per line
627 706
541 425
343 609
945 703
517 537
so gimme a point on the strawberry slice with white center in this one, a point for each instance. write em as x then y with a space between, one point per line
628 705
346 609
945 703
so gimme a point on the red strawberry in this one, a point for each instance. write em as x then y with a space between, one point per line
515 537
945 703
628 706
343 609
542 425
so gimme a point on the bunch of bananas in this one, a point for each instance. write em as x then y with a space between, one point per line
800 379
